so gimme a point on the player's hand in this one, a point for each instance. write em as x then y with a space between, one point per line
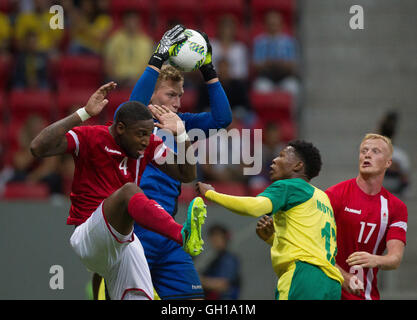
201 188
207 69
168 120
98 100
265 228
167 44
363 259
352 284
209 48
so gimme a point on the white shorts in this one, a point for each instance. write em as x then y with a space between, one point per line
119 259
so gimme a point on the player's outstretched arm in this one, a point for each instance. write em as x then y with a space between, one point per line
182 170
246 206
51 141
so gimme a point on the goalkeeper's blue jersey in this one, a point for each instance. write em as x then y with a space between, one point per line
172 269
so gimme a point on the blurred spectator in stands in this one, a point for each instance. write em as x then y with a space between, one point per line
235 89
275 57
221 279
227 47
5 34
397 177
271 146
31 68
37 21
28 169
90 26
127 51
226 144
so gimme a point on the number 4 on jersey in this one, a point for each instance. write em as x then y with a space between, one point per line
123 165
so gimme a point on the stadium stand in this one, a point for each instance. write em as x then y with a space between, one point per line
75 76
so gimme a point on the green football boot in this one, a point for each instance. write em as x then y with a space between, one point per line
191 230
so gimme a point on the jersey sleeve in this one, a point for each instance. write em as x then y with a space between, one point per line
397 228
288 193
76 141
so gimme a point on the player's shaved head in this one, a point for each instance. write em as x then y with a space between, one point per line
131 112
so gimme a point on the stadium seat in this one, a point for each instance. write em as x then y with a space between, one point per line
116 98
188 101
25 102
276 105
7 6
171 12
79 71
5 72
25 191
142 7
68 100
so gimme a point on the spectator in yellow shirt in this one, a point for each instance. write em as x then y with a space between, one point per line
127 51
90 25
38 22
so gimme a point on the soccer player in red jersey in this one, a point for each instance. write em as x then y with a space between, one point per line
105 197
369 221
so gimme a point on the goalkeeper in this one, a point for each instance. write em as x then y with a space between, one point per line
173 273
303 246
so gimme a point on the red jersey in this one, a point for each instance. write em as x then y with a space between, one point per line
102 167
365 223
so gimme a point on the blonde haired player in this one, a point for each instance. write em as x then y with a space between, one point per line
369 221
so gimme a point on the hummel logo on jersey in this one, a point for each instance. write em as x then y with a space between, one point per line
353 210
112 151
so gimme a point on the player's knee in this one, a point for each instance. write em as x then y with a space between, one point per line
129 189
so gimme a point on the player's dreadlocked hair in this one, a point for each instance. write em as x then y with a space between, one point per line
131 112
310 156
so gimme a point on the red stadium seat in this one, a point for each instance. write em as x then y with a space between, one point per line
116 98
142 7
6 64
188 100
79 71
7 6
70 100
171 12
276 105
25 191
25 102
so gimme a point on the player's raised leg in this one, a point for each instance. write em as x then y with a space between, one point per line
129 204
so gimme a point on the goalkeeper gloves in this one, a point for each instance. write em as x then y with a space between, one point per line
166 45
207 69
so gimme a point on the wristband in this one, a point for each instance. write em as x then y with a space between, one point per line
83 114
182 137
208 72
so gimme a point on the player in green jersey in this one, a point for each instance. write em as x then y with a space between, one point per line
303 246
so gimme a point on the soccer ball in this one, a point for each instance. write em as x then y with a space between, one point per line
190 54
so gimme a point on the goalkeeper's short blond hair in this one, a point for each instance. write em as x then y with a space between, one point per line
169 73
370 136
